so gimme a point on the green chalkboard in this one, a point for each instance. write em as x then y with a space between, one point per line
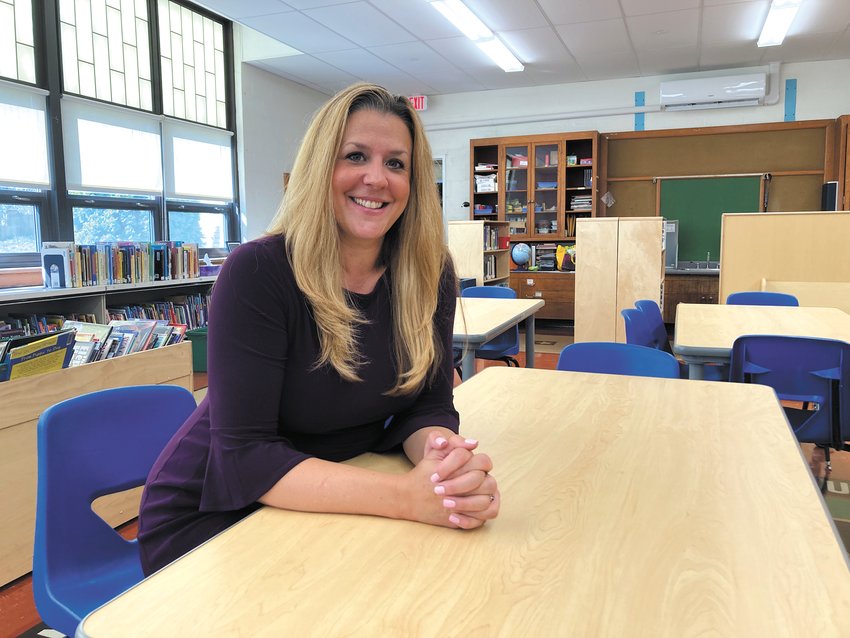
699 203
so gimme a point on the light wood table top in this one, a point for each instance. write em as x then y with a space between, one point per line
479 319
705 332
632 506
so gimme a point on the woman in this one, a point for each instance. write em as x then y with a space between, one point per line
329 337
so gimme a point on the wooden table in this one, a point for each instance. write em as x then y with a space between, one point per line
632 506
705 332
482 319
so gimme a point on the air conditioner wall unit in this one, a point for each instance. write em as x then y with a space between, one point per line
714 93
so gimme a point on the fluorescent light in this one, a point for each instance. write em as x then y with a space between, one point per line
459 15
779 20
501 55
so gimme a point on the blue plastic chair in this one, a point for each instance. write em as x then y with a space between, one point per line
645 327
503 346
807 370
761 298
618 358
89 446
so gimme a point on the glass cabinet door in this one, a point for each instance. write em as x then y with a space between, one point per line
545 189
517 190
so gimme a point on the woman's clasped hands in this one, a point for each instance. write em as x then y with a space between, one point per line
452 485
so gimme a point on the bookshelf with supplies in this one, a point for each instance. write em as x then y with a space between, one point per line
538 186
480 250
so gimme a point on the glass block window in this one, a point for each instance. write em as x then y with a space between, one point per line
106 50
193 77
17 42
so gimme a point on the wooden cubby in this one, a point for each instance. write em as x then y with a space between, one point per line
23 400
477 252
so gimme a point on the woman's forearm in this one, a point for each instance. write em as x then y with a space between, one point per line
315 485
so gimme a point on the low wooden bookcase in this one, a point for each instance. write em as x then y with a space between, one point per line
24 400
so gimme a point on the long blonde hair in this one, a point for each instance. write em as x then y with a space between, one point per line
413 249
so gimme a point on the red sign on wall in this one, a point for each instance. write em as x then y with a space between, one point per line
419 102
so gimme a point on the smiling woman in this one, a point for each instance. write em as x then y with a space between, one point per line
328 338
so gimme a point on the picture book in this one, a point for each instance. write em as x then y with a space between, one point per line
29 356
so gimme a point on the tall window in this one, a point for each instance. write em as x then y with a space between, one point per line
17 41
24 173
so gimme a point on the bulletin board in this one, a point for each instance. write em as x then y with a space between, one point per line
699 203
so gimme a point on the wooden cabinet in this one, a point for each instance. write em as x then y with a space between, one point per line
619 260
688 289
556 288
538 184
480 251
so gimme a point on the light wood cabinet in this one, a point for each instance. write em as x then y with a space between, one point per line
688 289
619 260
556 288
480 251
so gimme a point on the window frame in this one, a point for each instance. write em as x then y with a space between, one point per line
55 206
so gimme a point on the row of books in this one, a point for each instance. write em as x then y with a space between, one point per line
70 265
80 342
192 310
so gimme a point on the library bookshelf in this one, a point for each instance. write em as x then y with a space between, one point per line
23 400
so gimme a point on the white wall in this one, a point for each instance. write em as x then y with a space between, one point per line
452 120
274 112
272 116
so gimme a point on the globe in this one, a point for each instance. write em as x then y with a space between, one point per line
521 253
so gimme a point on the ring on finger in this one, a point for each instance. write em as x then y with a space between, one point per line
492 497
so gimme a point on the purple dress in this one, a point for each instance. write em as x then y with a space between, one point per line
267 410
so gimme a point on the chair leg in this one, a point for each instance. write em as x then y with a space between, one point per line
459 371
510 362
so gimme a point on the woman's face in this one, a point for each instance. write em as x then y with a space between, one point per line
371 178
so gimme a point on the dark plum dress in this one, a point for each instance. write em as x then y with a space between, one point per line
267 409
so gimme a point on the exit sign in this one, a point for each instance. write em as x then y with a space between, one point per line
419 102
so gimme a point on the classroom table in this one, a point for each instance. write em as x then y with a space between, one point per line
482 319
704 333
631 506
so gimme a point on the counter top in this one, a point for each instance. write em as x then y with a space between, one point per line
699 272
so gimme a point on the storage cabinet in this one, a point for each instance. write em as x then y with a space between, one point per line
619 260
480 250
688 289
557 288
538 184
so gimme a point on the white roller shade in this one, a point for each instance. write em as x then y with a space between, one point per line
198 162
110 148
23 129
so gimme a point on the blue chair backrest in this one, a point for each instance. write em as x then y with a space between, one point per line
89 446
508 341
618 358
761 298
801 369
645 327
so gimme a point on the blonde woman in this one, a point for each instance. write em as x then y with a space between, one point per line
329 337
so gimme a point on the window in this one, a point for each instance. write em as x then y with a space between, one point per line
24 174
106 51
17 41
189 223
96 221
193 71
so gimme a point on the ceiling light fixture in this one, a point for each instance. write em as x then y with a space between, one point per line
778 21
471 26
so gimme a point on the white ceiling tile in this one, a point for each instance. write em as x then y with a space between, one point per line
475 64
368 67
318 72
418 17
726 56
300 32
361 23
732 23
312 4
605 37
604 67
712 3
823 16
423 62
236 9
644 7
560 12
671 30
541 48
668 61
799 48
503 15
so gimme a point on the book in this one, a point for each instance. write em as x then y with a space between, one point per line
160 336
83 352
28 356
56 261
